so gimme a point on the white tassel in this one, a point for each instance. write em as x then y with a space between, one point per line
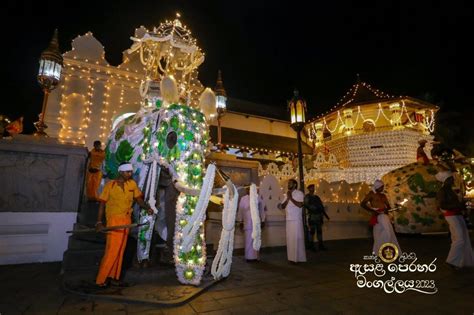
255 214
223 259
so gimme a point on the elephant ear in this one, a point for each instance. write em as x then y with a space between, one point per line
207 103
169 90
124 152
111 163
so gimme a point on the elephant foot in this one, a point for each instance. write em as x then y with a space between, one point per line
166 257
145 264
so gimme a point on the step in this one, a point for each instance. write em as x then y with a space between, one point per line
84 242
88 213
81 259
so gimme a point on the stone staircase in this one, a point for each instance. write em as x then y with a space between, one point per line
84 249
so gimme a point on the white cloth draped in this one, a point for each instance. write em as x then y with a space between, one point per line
383 233
295 246
460 253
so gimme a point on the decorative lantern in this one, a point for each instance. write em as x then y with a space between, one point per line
51 63
49 74
297 107
221 107
221 95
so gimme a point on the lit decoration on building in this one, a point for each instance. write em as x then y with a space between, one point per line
369 133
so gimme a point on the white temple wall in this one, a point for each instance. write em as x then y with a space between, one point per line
94 115
29 237
51 117
341 201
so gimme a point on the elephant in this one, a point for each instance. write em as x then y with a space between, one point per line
174 138
416 183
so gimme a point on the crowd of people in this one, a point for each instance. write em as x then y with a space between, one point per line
305 216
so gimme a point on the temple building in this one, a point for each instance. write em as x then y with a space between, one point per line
365 135
94 96
369 133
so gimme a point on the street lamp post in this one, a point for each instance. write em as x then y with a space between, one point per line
221 107
297 108
51 62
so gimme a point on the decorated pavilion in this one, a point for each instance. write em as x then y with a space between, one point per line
369 133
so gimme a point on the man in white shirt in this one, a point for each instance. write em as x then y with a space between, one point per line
244 215
294 223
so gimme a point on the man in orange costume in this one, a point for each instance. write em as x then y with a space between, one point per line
94 175
117 199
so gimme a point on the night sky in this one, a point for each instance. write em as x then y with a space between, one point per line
265 49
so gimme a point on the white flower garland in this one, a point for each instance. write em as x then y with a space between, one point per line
255 214
199 214
187 235
145 218
223 259
151 187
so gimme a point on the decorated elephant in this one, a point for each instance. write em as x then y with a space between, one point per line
416 184
167 142
173 138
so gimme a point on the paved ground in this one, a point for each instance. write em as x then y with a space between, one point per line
324 285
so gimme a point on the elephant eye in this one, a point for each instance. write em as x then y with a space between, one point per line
171 139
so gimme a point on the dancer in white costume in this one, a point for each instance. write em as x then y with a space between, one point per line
460 254
377 203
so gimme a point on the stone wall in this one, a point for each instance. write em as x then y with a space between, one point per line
41 184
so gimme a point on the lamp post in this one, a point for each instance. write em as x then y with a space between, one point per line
51 62
221 106
297 108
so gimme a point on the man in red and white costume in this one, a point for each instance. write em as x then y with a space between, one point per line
377 203
460 254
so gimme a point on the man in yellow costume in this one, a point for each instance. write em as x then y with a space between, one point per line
94 175
117 199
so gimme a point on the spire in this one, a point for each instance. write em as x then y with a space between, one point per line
52 52
220 85
54 44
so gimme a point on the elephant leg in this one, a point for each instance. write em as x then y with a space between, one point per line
171 197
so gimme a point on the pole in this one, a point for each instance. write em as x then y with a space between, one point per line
45 103
219 135
300 161
301 178
39 125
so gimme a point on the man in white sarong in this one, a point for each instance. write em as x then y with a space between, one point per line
460 254
293 204
377 203
245 217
